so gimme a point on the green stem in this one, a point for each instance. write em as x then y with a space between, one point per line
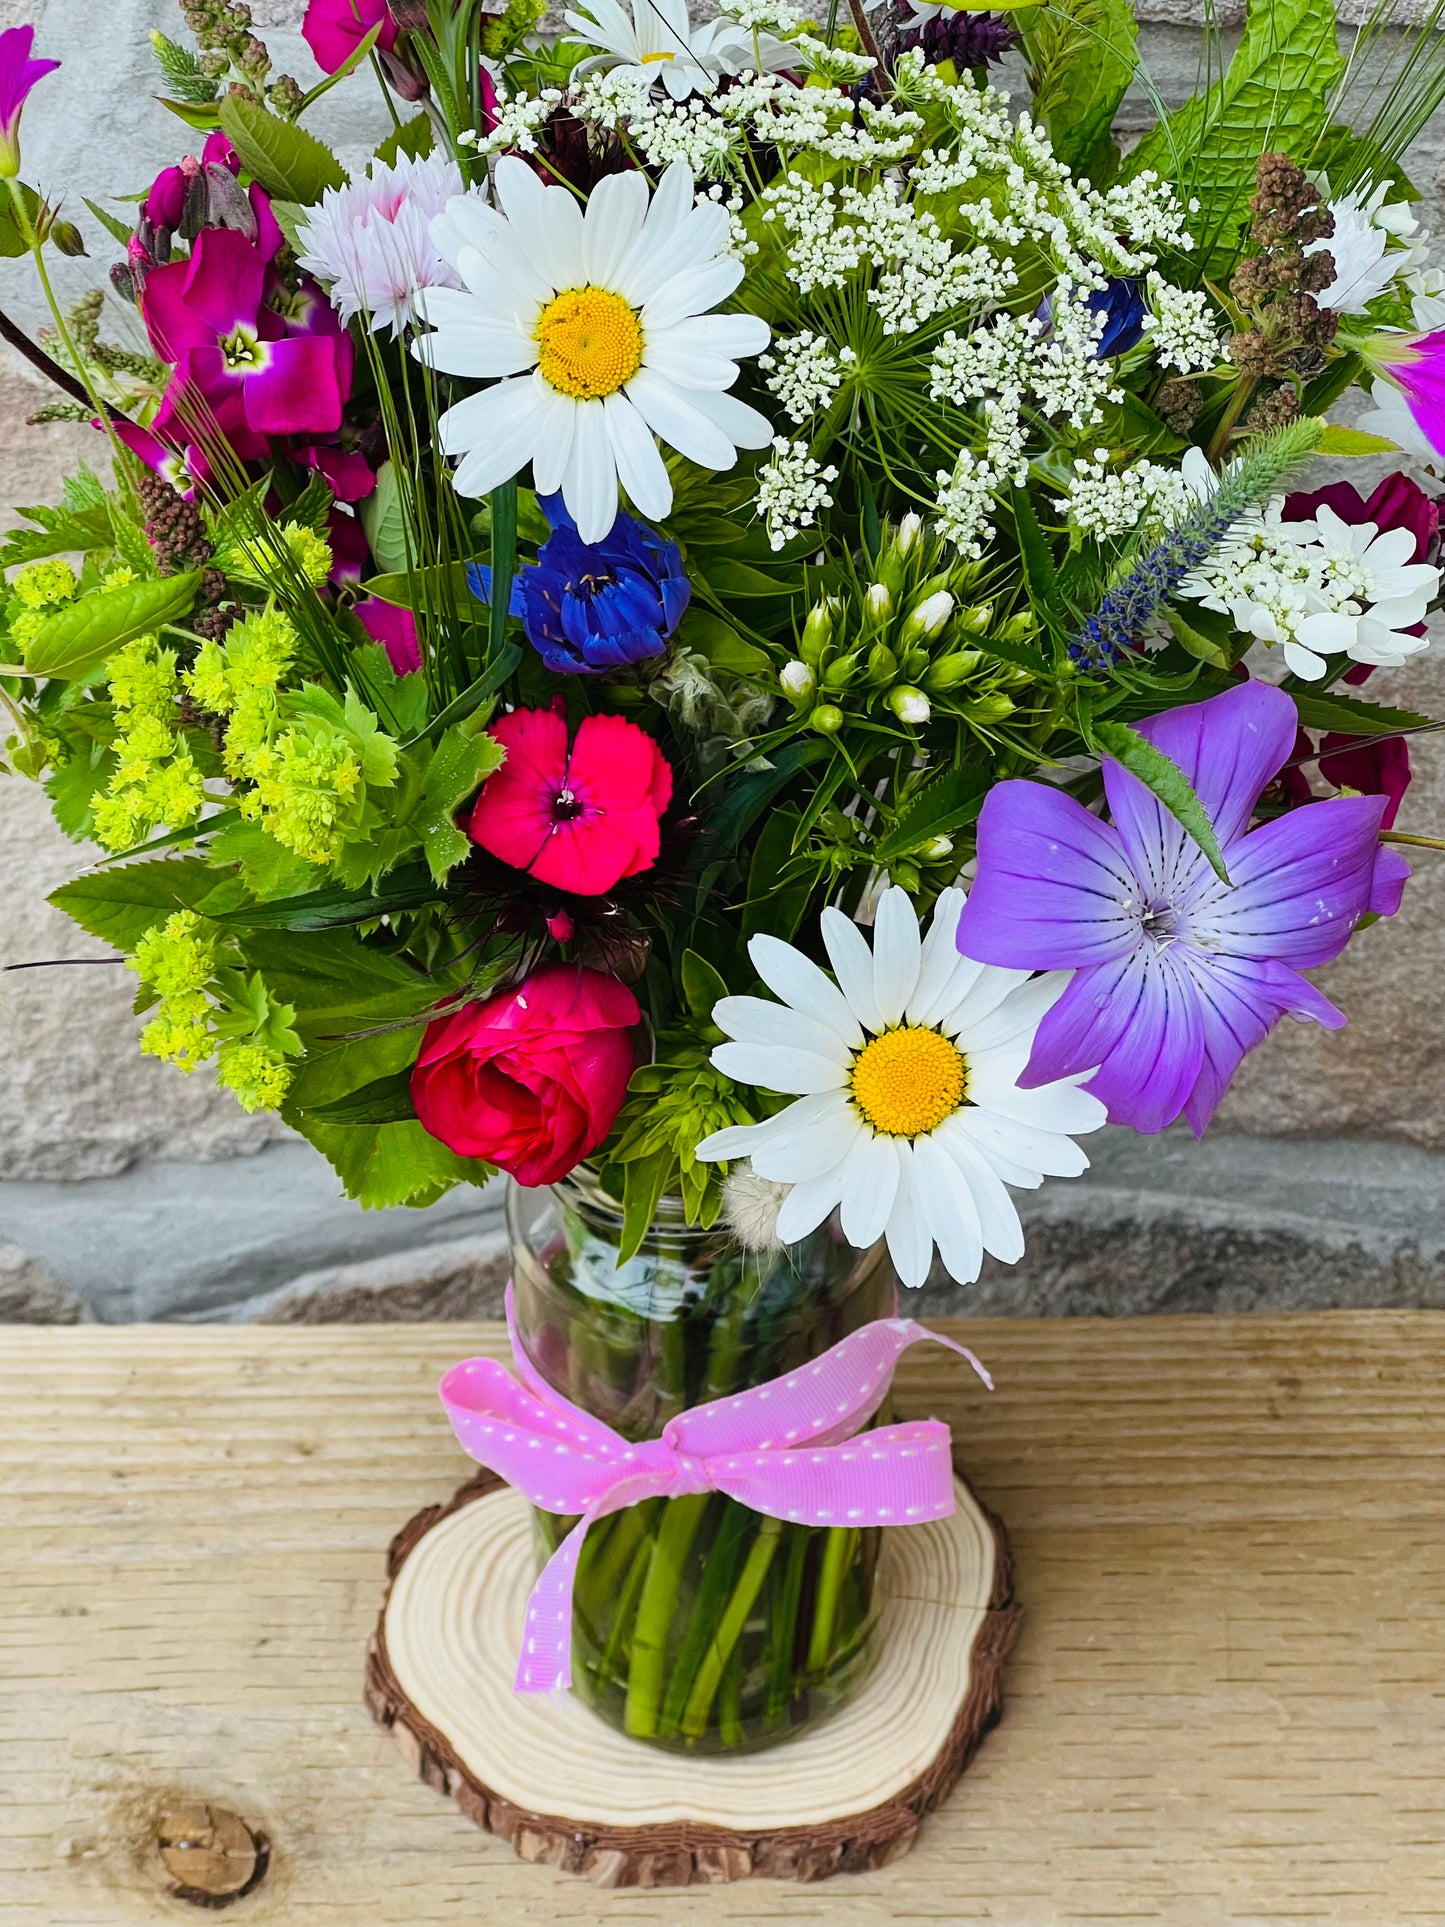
627 1599
656 1609
504 563
730 1704
780 1686
730 1628
719 1566
836 1554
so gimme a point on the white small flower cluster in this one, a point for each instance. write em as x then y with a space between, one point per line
834 64
765 16
1319 588
965 496
1104 501
803 372
739 243
661 129
1055 363
1181 327
792 487
520 118
821 120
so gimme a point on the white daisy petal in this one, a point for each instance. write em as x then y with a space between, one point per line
556 430
689 366
982 996
1061 1107
499 427
852 963
799 982
814 1145
797 1072
743 426
616 209
742 1140
545 221
870 1186
1003 1235
752 1020
640 467
808 1204
1017 1016
896 953
589 480
910 1242
1023 1147
678 422
938 961
950 1210
692 291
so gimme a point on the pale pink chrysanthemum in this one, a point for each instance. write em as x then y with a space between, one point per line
370 241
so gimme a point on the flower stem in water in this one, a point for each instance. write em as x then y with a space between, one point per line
655 1610
730 1627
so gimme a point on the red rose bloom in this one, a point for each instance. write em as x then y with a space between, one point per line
579 818
532 1079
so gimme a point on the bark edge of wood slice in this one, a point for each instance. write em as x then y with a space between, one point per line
884 1761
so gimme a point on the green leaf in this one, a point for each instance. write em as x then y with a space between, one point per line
383 516
1353 441
724 648
644 1181
727 577
701 986
119 906
286 160
1163 776
381 1165
117 230
472 698
1341 715
75 641
413 137
459 766
420 589
504 563
348 66
1191 638
1081 57
12 240
1040 574
1275 96
333 907
204 117
386 1100
949 801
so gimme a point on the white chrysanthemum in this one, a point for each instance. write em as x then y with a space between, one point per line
1380 593
597 325
370 242
657 40
1365 263
906 1072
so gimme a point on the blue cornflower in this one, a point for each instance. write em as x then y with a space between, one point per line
1122 305
593 606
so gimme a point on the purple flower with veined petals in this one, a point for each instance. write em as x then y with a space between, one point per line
18 75
1176 974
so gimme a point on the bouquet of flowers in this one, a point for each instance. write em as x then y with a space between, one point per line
731 622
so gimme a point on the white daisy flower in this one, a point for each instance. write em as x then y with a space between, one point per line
906 1071
370 241
652 40
597 324
1365 263
1379 592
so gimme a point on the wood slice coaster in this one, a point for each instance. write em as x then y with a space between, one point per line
566 1789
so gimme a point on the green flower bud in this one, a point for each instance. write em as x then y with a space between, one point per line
882 664
817 631
1019 627
913 663
797 680
947 672
908 704
936 849
841 671
877 605
928 618
68 238
827 719
989 709
978 619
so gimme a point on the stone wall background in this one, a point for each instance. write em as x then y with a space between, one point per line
121 1193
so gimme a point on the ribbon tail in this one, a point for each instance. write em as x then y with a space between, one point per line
545 1661
963 1352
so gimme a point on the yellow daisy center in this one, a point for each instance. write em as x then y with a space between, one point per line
590 341
907 1081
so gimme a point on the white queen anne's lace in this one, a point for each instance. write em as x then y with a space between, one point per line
1181 327
792 487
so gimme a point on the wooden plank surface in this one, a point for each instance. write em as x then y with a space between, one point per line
1228 1702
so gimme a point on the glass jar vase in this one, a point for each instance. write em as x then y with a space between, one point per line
697 1624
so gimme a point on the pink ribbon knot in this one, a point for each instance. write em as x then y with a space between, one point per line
788 1449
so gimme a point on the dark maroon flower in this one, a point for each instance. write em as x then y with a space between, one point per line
1398 503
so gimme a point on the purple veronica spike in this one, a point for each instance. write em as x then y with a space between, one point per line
1176 975
18 74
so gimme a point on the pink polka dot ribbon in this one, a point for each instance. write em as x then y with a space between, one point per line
793 1449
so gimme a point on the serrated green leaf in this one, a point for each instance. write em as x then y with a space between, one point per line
950 801
77 639
1274 96
286 160
1037 558
1341 715
381 1165
413 137
1353 441
459 766
1162 775
119 906
205 118
117 230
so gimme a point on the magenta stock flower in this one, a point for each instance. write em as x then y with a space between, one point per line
202 193
1176 974
334 29
245 370
18 75
1415 364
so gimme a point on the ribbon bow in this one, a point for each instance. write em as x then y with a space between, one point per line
780 1448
